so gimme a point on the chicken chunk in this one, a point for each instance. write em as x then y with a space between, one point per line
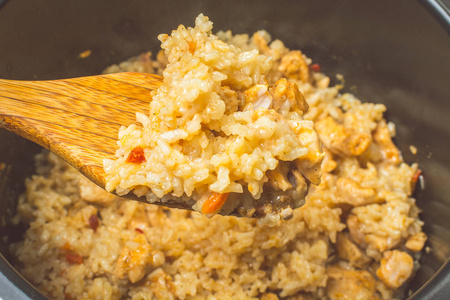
383 139
328 164
341 140
350 284
395 268
257 96
349 251
278 178
356 232
284 97
350 192
416 241
137 258
293 65
287 97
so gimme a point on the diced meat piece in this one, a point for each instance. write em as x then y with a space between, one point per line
350 284
300 187
299 183
257 96
278 178
352 193
341 140
136 259
349 251
395 268
328 163
287 97
293 65
311 168
383 138
416 242
355 229
92 193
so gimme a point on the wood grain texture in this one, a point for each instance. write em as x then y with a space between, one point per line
79 118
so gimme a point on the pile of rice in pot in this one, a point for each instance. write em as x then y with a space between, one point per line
358 236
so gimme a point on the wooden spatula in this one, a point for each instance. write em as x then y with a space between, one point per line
79 118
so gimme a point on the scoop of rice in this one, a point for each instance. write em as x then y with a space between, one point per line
217 126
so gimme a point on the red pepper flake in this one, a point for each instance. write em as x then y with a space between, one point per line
416 176
315 67
94 222
74 258
136 156
139 230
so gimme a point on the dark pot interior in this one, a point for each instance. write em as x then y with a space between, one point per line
391 52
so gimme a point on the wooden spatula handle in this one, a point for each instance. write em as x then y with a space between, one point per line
77 118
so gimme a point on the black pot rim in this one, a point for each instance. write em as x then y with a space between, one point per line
441 10
15 286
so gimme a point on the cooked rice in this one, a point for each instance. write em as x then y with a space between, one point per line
361 220
215 126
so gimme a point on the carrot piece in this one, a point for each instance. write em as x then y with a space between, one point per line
416 175
214 203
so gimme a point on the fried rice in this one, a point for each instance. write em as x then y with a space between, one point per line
217 127
358 236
